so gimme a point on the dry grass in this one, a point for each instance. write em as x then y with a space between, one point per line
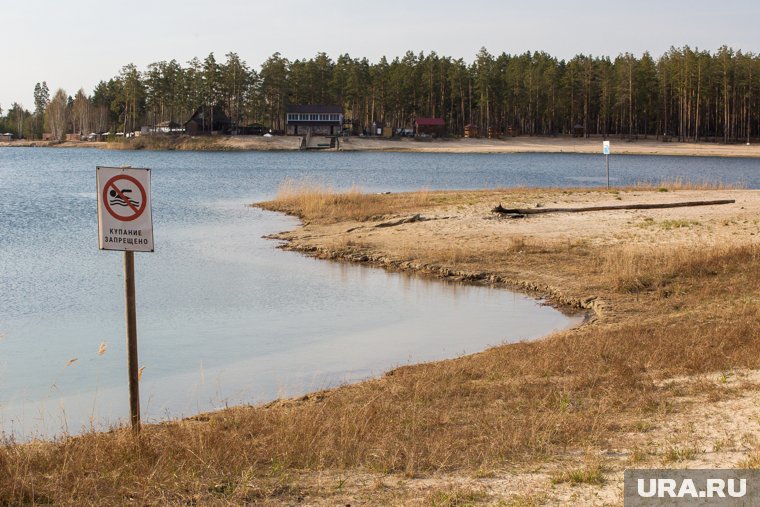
455 497
590 474
637 269
318 203
680 184
168 143
200 143
677 311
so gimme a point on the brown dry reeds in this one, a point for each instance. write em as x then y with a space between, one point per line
680 184
316 202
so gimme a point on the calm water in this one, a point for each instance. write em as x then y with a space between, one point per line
224 317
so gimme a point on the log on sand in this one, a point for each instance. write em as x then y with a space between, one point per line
535 211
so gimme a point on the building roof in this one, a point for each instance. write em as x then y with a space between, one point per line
217 112
315 108
430 122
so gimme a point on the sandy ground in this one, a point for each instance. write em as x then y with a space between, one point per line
560 144
698 224
523 144
701 433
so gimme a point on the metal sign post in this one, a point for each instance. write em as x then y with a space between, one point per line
606 151
125 223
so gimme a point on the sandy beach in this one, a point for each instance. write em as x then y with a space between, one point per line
703 428
522 144
560 144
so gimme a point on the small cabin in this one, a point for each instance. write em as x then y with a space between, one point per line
435 127
578 130
7 137
208 120
319 120
471 131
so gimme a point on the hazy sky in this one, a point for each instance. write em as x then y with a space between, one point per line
76 44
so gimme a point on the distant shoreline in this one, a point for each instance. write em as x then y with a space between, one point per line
523 144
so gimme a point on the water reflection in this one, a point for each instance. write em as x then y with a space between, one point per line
361 322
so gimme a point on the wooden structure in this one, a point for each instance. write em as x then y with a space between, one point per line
494 133
521 212
208 120
578 130
7 137
513 131
434 127
319 120
471 131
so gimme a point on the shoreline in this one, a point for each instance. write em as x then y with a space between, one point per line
522 144
589 308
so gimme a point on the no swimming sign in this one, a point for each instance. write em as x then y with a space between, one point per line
125 221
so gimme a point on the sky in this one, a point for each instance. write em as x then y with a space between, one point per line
76 45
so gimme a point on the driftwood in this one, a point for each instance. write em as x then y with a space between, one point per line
407 220
534 211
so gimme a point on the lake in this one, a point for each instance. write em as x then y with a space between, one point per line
224 317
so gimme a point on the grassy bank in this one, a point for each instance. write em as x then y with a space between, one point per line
675 299
207 143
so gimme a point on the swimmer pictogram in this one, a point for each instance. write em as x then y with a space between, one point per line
124 198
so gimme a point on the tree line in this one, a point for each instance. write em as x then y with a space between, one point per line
685 93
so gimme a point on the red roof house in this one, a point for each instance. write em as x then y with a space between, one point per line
430 126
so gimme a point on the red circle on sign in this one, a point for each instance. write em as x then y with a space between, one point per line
137 211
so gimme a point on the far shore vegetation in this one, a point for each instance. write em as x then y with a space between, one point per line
683 95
